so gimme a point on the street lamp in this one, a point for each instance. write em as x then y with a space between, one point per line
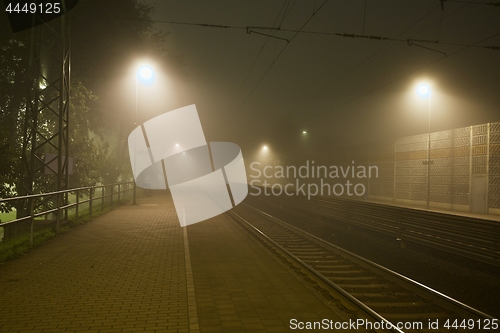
425 91
144 74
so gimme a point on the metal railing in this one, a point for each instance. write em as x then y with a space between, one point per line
108 192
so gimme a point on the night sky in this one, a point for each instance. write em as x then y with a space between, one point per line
336 88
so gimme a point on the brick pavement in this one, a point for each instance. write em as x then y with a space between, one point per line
240 288
126 272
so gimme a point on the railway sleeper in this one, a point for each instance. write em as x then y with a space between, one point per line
332 271
384 297
354 279
411 309
373 288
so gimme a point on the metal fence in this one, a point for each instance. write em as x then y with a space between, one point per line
464 172
85 199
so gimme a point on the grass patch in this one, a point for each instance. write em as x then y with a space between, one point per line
6 217
13 247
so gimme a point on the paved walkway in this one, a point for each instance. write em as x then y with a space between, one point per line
491 217
135 269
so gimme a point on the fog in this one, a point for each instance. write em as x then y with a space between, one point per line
339 89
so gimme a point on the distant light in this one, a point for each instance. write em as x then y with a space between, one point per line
145 72
423 90
264 148
42 85
304 132
177 145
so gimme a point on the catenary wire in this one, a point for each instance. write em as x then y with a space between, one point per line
274 61
385 48
396 79
257 57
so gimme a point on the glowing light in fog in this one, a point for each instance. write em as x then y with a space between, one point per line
145 72
423 90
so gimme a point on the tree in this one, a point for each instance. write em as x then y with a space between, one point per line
13 64
106 36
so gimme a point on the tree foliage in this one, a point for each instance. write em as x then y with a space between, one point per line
105 37
85 138
13 65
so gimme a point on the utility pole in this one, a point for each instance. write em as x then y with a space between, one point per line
45 145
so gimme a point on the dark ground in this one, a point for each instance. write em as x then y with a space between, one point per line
470 282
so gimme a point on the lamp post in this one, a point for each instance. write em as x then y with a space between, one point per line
425 91
145 74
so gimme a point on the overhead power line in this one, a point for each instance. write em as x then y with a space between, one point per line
379 38
283 9
295 31
275 59
380 50
394 80
367 92
495 4
352 69
396 41
367 59
409 41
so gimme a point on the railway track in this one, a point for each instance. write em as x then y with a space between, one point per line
391 301
466 236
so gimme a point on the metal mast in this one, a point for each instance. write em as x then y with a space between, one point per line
46 121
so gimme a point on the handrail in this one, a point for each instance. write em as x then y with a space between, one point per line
59 192
123 189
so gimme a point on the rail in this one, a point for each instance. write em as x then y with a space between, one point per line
382 294
120 190
345 294
471 237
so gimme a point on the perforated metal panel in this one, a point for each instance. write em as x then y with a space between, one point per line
382 155
456 155
494 127
449 173
494 166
